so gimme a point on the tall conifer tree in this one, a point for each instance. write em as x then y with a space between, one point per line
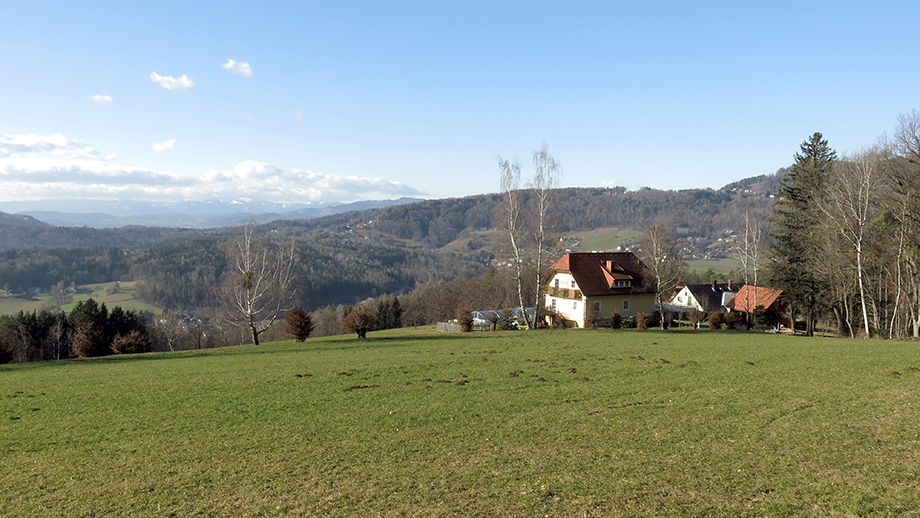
796 218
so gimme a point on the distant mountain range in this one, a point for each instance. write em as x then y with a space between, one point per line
185 215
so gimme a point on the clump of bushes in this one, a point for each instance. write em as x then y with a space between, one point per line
465 319
644 321
763 320
592 315
715 320
506 321
298 324
88 342
732 320
131 343
6 356
359 321
616 321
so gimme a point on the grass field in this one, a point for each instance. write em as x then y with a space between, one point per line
124 298
414 423
723 266
605 239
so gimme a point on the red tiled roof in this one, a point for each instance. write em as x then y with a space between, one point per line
745 298
596 272
561 264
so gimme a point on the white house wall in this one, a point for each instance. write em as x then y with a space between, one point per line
568 308
565 281
685 299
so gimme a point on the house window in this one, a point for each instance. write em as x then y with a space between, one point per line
573 285
597 307
553 303
575 305
626 305
557 283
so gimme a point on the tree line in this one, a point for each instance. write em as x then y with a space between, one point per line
847 234
90 329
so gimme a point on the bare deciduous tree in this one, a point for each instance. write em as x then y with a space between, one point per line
545 181
657 251
528 229
850 205
510 220
903 217
749 253
259 287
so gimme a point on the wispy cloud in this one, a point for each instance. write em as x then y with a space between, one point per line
261 180
298 116
57 145
182 82
103 99
163 146
34 167
238 67
236 115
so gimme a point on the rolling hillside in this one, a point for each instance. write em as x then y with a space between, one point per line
351 256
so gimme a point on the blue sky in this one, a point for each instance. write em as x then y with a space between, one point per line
344 101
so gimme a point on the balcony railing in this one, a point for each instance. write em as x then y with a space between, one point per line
563 293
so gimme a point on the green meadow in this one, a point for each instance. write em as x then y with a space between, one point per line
415 423
124 298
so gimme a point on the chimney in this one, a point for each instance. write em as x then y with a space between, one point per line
714 286
729 285
610 266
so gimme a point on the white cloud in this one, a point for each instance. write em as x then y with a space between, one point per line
26 146
265 181
34 167
238 67
182 82
298 115
103 99
163 146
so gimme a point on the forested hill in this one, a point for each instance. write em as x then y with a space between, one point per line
19 220
701 213
22 237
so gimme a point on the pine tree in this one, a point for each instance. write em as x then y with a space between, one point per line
384 314
796 218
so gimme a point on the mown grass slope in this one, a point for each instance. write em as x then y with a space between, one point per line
412 423
123 298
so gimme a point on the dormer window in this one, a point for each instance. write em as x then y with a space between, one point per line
622 284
